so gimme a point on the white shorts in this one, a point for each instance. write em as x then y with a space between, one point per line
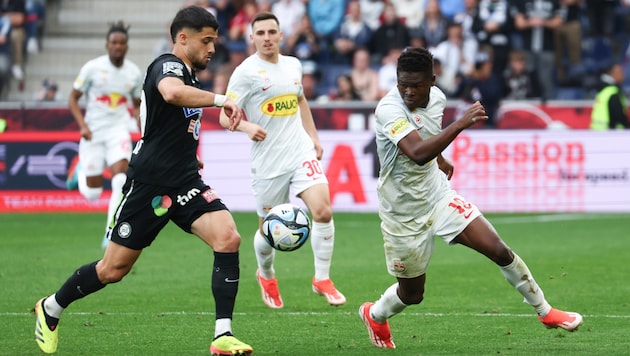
409 245
104 149
273 191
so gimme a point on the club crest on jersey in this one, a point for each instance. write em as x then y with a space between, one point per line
173 67
280 106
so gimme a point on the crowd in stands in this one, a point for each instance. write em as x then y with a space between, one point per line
21 30
489 50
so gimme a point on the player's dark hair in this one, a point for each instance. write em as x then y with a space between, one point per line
264 16
415 60
118 26
193 17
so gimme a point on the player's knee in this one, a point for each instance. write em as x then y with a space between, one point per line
322 214
90 193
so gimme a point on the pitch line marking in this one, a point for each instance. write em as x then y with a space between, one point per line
175 313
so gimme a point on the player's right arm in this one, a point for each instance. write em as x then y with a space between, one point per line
75 110
423 151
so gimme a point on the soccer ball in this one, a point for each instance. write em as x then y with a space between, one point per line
286 227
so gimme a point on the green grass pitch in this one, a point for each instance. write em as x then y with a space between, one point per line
164 306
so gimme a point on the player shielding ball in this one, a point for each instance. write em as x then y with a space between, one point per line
417 204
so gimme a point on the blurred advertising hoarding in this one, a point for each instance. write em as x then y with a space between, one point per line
498 170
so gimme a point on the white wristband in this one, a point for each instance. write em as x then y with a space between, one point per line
219 100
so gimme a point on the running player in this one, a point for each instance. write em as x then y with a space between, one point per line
112 84
269 87
163 168
416 202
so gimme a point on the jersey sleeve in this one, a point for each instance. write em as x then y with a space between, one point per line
238 88
136 91
393 122
82 81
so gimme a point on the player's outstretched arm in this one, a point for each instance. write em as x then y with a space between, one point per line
253 131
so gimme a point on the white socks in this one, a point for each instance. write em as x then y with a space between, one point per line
518 275
221 326
388 305
264 255
52 308
118 180
322 242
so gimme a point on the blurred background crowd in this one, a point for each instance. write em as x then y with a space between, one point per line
491 49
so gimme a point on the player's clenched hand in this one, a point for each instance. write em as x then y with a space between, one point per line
256 133
86 133
233 112
476 112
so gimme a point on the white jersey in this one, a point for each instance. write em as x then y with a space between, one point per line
407 190
109 92
268 93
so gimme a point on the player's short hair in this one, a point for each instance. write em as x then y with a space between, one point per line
118 26
415 60
193 17
261 16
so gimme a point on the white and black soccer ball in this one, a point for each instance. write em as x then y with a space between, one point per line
286 227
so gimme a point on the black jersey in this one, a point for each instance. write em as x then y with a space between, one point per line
167 153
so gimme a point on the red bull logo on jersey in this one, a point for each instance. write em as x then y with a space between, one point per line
112 100
280 106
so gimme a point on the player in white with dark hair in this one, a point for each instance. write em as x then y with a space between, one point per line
417 204
112 85
285 153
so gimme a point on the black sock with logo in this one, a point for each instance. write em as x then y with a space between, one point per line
225 275
82 282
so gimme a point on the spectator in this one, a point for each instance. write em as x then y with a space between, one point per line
568 39
456 59
225 11
34 24
291 13
345 90
371 11
240 27
536 21
310 81
466 18
601 17
326 17
493 25
5 54
352 34
387 78
450 8
16 11
610 109
48 92
391 34
520 82
303 42
483 85
434 26
410 12
365 78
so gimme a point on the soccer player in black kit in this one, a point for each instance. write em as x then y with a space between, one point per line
163 184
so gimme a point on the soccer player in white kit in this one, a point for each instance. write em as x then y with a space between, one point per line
417 204
285 153
112 85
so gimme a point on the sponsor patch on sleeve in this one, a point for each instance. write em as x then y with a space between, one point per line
232 95
398 126
173 67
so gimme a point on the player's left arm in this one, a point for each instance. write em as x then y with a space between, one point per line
309 125
136 111
445 166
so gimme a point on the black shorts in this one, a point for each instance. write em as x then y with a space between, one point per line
145 209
